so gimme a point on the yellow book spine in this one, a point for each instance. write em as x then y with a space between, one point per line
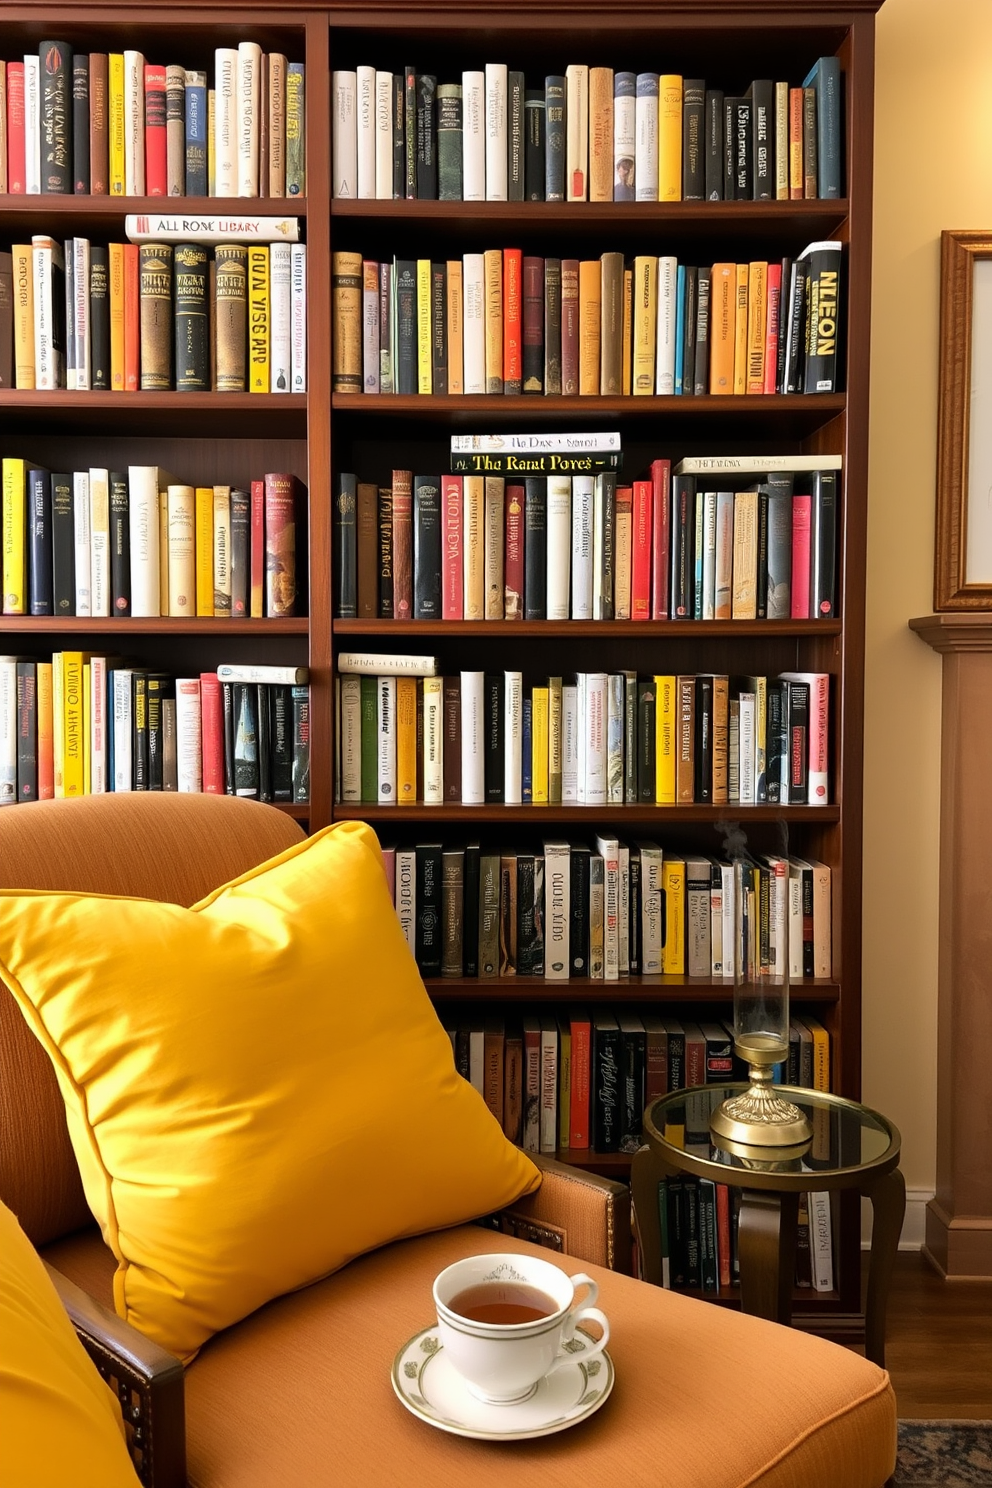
669 138
740 331
645 324
115 116
117 317
87 725
628 326
473 546
58 724
590 317
425 381
539 745
73 724
493 271
46 763
665 741
23 282
673 956
406 741
456 368
757 301
258 319
204 550
723 282
14 551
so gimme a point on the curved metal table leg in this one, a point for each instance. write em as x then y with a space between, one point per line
767 1251
888 1203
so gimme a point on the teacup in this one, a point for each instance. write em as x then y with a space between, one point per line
502 1362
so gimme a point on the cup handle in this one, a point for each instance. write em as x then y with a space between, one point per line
574 1351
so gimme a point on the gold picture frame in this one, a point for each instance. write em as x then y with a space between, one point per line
963 560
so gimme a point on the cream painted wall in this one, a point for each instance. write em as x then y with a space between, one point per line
933 170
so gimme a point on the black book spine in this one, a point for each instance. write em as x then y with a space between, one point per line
99 319
81 124
761 587
693 140
606 1091
154 689
426 138
63 547
439 334
139 731
399 137
578 911
675 1200
809 947
26 687
385 553
429 937
56 118
682 579
120 544
410 133
301 743
552 326
703 742
449 142
515 168
426 547
534 163
191 319
526 948
264 707
554 139
763 140
493 755
795 356
691 1192
798 743
824 535
405 350
775 735
729 147
281 736
713 171
676 1051
647 706
227 690
346 548
535 547
822 320
246 739
742 150
41 599
701 360
240 553
634 912
470 911
634 1059
689 334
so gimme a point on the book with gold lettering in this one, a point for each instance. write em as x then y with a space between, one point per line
231 317
346 340
259 319
740 329
493 319
590 316
757 301
155 267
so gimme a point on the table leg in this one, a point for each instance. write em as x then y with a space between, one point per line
888 1204
766 1244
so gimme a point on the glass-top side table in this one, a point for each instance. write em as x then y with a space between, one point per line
853 1147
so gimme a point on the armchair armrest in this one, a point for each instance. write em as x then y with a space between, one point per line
574 1212
147 1380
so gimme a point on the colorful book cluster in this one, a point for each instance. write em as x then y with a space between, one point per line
83 724
137 542
113 124
155 316
595 739
505 322
609 910
734 538
589 134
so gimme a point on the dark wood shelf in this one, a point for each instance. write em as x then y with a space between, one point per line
299 811
225 415
103 214
584 817
606 1164
626 989
161 625
812 214
506 630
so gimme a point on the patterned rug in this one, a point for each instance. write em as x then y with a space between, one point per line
944 1454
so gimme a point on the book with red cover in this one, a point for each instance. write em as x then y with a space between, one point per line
661 483
15 128
581 1073
801 517
533 325
451 549
132 323
773 321
513 327
570 327
212 734
513 562
280 544
257 541
156 178
403 544
642 538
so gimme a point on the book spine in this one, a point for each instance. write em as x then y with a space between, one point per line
496 131
494 540
449 141
426 137
646 138
55 82
280 545
452 557
383 147
134 123
472 738
554 125
156 132
473 136
535 167
426 548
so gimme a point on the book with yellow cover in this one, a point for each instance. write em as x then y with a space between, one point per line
456 369
258 318
645 315
539 745
673 952
115 121
740 330
666 709
493 311
628 326
117 278
744 599
721 740
406 741
14 545
669 138
425 382
757 302
204 550
73 724
23 287
723 327
87 726
46 762
590 316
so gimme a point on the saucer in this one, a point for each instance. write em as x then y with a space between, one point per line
430 1386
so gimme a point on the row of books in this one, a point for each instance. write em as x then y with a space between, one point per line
99 124
83 724
587 134
609 910
149 318
602 738
587 547
507 322
139 543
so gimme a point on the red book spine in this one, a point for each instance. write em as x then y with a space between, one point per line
640 570
280 545
578 1116
132 329
211 734
451 576
533 325
819 737
513 328
403 544
570 326
773 295
661 484
15 128
513 561
723 1232
801 517
257 574
156 183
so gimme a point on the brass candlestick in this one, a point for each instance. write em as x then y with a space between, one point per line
758 1117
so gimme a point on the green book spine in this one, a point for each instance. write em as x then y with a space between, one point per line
449 141
370 776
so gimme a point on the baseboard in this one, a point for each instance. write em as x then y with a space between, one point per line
914 1226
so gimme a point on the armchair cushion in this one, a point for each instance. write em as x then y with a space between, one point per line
231 1071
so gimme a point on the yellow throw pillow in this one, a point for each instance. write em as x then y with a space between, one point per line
258 1088
59 1422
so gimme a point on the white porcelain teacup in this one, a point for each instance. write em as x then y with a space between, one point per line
502 1362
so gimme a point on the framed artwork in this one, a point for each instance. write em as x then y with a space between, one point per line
963 567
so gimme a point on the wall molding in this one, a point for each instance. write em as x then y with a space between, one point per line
914 1225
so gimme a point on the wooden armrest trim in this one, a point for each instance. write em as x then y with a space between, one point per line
147 1380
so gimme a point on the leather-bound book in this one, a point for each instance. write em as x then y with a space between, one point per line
231 317
155 281
191 319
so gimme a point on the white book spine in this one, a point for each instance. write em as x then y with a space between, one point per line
795 922
32 125
664 361
249 116
406 895
609 850
778 916
559 523
81 310
386 731
582 529
384 136
821 1241
473 735
549 1089
652 936
70 314
473 138
371 664
716 924
646 140
366 134
226 122
581 735
182 550
44 354
624 134
134 124
344 136
189 737
121 702
98 725
351 738
569 744
623 926
495 131
729 913
723 579
278 676
100 543
162 228
280 318
81 535
433 741
593 726
557 909
746 792
142 484
298 316
474 321
512 738
709 555
821 920
576 132
538 443
602 597
8 731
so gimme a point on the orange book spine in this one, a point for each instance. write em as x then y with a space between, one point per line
132 328
796 182
757 310
46 735
513 329
590 316
723 326
740 330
